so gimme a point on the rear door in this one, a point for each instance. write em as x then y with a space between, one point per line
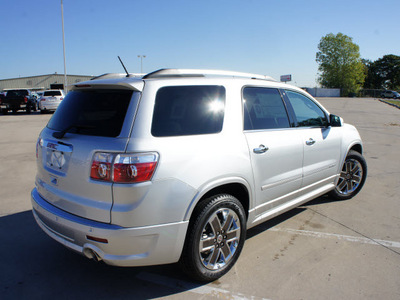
276 150
86 122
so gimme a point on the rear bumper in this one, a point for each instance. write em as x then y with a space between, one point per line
12 106
139 246
49 106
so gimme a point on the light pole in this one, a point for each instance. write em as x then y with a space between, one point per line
65 65
141 62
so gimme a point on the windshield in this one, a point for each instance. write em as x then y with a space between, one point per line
92 112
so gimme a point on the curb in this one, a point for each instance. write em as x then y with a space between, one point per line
391 104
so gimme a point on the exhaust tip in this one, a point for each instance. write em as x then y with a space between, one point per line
91 254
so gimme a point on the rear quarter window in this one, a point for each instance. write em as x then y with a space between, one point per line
92 112
188 110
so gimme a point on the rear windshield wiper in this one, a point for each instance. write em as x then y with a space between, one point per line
60 134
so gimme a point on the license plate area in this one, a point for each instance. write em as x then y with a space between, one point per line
57 157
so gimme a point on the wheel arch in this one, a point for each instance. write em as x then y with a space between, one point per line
239 189
357 147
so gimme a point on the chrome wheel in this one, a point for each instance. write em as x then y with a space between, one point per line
215 237
350 177
220 239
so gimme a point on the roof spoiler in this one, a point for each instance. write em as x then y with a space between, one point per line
117 75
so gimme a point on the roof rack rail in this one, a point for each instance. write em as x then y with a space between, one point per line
171 73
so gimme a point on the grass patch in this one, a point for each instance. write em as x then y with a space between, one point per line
393 102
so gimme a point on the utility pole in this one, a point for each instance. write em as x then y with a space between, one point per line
63 37
141 62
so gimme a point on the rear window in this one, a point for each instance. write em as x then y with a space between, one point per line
188 110
52 93
17 93
92 112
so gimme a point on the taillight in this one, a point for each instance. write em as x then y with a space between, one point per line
124 168
61 98
39 143
134 167
101 166
26 100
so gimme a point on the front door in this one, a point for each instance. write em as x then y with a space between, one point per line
321 142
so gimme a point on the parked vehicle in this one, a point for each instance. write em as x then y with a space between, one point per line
50 100
2 96
18 99
391 94
37 95
177 165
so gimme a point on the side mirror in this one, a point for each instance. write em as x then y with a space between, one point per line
335 121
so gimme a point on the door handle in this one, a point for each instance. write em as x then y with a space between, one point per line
260 149
310 142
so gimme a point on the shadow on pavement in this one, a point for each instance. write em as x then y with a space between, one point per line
36 267
33 266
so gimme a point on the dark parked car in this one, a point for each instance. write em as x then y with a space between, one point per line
19 99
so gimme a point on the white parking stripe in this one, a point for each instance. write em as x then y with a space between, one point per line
347 238
204 290
218 293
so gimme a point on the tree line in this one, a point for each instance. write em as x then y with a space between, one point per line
341 66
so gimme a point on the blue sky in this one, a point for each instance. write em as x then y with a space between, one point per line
257 36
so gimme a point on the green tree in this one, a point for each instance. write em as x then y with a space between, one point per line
384 73
340 64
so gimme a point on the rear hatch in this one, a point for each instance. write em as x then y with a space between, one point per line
52 96
91 119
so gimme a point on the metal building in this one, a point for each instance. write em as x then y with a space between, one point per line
40 82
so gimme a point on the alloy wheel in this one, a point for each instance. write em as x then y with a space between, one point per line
219 239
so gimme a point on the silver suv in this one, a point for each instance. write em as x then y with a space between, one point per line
174 166
50 100
391 94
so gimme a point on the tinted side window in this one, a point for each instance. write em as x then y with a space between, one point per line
92 112
308 114
188 110
264 109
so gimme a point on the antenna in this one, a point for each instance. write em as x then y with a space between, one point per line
126 71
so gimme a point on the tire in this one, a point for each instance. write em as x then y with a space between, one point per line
4 111
352 177
215 238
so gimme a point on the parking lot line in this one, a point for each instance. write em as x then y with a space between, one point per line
347 238
204 290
